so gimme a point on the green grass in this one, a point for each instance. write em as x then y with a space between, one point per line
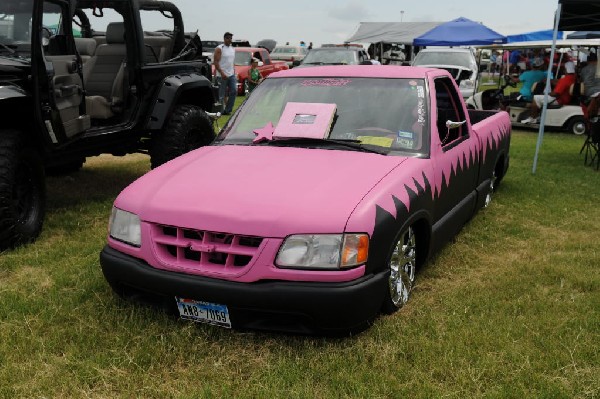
510 309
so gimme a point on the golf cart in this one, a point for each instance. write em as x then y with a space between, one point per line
567 117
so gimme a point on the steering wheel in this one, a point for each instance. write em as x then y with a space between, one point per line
46 35
508 80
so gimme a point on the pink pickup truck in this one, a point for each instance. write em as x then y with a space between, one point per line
316 205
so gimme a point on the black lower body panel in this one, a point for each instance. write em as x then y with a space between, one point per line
286 306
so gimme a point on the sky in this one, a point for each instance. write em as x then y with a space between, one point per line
334 21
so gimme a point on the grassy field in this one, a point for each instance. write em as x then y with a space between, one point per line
510 309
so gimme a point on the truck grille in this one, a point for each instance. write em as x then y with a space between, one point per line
203 250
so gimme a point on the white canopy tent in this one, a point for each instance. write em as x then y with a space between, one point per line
402 33
391 32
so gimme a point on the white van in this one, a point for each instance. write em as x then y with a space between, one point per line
460 62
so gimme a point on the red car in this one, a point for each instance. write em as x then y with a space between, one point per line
243 57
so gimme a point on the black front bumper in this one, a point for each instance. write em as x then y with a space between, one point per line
289 306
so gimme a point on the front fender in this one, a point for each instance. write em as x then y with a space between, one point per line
16 108
191 88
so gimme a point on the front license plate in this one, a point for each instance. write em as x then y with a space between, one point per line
203 312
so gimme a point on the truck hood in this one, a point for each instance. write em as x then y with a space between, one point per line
256 190
13 69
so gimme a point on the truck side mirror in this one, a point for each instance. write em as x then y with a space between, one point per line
453 125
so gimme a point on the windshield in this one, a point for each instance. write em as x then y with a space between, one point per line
16 26
331 56
15 21
444 58
285 50
387 113
210 45
242 58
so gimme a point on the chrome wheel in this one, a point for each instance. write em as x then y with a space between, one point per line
488 196
403 264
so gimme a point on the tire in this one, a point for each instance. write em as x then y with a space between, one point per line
577 125
402 264
22 191
189 128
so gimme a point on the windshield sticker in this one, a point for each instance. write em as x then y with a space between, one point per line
421 112
380 141
405 139
304 119
326 82
264 133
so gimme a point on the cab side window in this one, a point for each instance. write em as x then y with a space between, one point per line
449 108
264 57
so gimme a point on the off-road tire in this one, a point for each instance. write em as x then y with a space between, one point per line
22 191
188 128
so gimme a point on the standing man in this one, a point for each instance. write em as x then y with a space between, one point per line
223 60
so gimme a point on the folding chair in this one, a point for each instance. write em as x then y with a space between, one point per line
593 145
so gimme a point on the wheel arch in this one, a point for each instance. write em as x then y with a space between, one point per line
15 110
383 242
193 89
576 125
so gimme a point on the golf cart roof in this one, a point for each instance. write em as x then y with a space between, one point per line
565 43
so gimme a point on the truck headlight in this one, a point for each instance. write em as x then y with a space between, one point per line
466 84
323 251
125 226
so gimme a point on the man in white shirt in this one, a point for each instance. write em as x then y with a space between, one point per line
226 78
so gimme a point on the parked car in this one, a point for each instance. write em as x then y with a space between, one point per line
208 48
568 117
334 185
268 44
289 54
240 43
460 62
243 58
334 55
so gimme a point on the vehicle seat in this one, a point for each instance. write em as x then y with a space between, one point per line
576 92
104 74
86 48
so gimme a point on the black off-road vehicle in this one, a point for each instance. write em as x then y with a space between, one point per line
82 78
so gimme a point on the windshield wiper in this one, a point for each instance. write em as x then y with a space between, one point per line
346 143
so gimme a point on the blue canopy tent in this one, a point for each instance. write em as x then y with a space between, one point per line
459 32
534 36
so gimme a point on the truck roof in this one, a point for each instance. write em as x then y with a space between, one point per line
368 71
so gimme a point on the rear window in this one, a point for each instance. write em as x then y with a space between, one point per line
444 58
285 50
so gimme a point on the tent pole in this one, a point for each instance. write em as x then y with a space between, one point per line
547 89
